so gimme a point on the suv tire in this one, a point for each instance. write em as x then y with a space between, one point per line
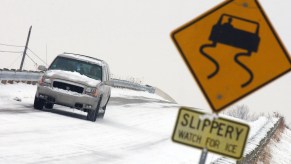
49 105
101 115
38 103
92 114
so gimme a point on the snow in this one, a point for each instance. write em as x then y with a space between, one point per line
137 128
258 131
211 117
281 151
127 131
11 91
121 92
72 76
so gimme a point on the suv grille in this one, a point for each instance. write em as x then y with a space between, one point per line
68 87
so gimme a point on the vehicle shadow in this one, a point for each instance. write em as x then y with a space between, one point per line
28 108
66 113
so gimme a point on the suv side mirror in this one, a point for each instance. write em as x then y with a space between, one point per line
109 83
42 68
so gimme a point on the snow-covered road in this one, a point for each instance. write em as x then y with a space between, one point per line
135 129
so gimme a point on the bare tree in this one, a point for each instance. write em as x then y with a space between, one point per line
241 112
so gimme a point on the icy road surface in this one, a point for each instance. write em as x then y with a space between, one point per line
137 128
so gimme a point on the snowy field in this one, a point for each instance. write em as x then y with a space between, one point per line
137 128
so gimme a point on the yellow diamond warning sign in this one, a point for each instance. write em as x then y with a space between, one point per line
232 50
221 136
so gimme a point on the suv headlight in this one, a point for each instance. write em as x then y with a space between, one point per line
45 81
91 91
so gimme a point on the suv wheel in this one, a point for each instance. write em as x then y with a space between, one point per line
92 114
49 105
38 103
101 115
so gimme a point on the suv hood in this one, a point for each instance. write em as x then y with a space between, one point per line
74 77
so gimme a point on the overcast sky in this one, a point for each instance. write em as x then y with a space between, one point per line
134 38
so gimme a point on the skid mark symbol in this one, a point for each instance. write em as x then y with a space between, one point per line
236 58
210 58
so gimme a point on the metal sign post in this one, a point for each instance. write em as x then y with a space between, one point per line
203 156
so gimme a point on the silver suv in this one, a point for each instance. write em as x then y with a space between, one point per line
76 81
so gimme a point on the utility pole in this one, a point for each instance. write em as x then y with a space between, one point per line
25 48
46 54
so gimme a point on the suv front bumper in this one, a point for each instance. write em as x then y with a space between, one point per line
67 98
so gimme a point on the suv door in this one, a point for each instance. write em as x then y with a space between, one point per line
107 89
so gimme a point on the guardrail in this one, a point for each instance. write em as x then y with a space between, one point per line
134 86
32 77
21 76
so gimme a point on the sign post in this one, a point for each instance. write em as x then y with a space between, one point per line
203 156
222 136
232 50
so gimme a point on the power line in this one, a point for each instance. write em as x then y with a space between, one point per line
15 60
10 45
31 59
11 51
37 56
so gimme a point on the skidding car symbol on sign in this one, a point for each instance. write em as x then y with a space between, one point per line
232 50
231 36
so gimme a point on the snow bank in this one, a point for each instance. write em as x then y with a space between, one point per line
281 151
261 127
256 126
258 131
120 92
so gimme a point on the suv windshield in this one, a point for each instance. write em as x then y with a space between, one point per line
93 71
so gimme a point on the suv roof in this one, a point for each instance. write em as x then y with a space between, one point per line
83 58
